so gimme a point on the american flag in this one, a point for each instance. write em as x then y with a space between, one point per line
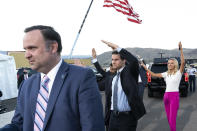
124 7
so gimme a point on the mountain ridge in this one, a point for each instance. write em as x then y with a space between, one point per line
148 54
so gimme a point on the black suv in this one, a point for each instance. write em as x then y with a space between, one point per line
156 84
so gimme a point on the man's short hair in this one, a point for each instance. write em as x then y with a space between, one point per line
115 52
48 33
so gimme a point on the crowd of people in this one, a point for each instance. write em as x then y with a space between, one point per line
65 97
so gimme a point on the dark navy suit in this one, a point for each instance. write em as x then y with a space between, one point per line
74 103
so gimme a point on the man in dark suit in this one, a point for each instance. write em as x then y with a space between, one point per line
142 81
123 104
23 75
61 97
106 74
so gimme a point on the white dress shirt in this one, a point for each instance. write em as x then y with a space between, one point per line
122 104
94 60
51 75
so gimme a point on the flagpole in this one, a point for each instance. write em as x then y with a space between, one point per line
80 29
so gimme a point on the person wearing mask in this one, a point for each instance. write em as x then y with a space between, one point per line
107 75
60 97
124 107
172 78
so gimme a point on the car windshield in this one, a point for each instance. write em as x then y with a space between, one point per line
159 68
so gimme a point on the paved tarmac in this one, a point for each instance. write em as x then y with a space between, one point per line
154 120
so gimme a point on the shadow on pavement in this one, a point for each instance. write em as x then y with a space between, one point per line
8 105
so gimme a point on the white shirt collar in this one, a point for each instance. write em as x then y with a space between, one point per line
120 69
52 73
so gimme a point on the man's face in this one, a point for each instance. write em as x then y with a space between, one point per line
117 62
38 55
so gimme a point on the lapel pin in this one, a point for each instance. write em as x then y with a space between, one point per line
63 76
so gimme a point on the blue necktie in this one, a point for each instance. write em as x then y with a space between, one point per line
115 93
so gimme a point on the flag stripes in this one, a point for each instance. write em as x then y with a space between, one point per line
124 7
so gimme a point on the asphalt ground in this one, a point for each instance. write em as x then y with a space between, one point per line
7 114
154 120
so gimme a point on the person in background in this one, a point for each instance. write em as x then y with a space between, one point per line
24 76
78 63
105 74
60 97
94 60
192 78
172 78
124 107
142 80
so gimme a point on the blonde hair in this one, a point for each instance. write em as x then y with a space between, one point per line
176 66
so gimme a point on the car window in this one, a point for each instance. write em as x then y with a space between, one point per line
159 68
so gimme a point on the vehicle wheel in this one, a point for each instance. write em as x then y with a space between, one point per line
150 93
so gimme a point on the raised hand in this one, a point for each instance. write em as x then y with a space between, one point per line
144 66
180 46
113 46
182 58
93 53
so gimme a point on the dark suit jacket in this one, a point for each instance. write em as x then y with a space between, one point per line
21 79
74 103
129 81
105 75
143 75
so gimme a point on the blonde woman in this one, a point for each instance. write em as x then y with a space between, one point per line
172 78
